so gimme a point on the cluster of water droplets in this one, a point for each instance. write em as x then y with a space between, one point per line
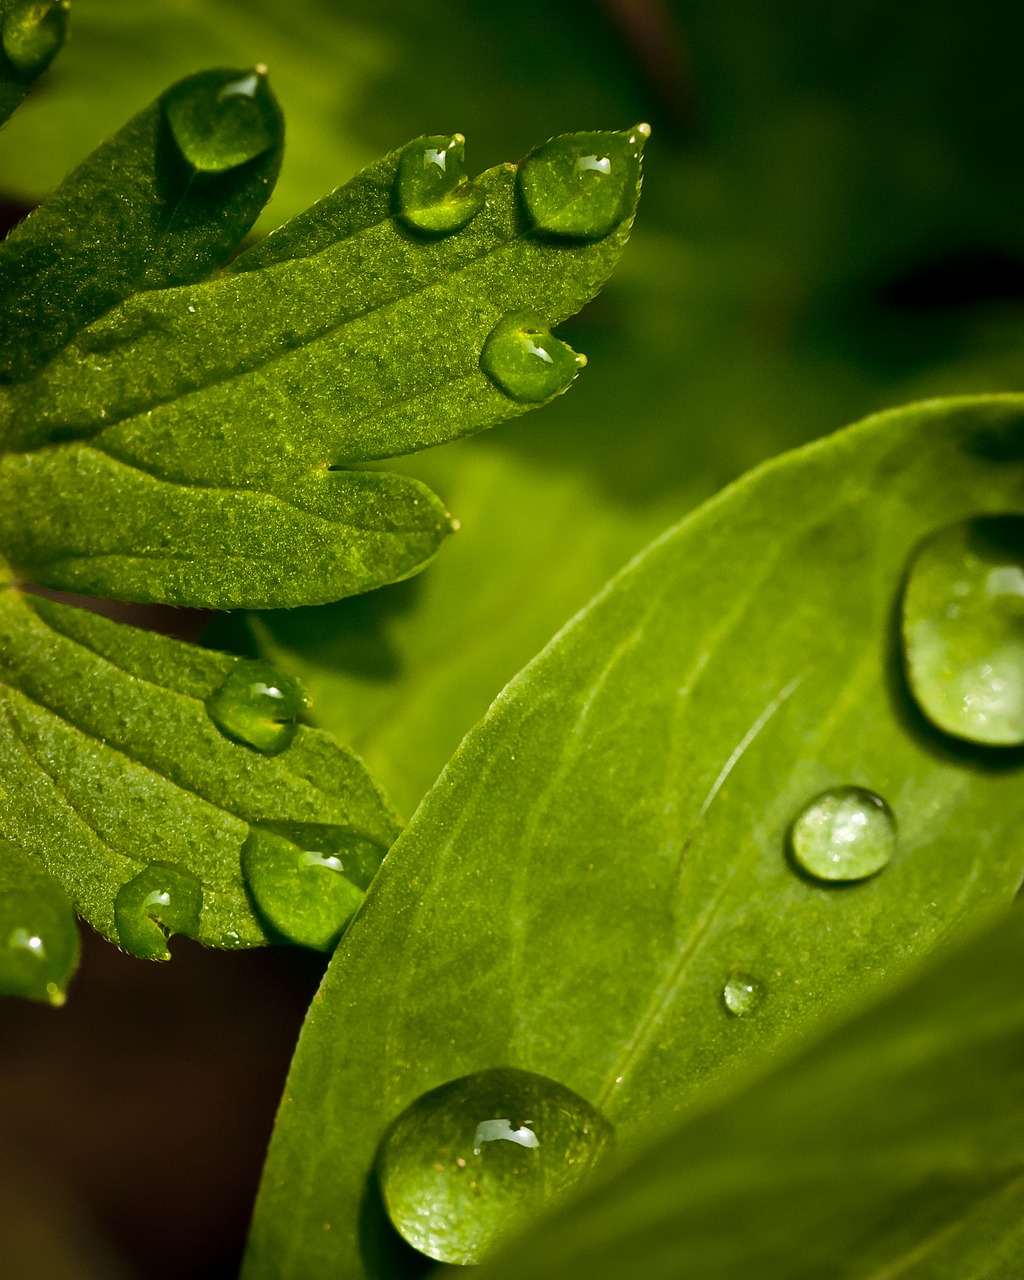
468 1163
575 189
33 33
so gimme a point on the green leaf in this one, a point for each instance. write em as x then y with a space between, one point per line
31 35
892 1148
196 445
609 846
120 784
38 932
135 216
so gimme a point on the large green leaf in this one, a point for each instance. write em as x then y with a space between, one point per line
196 445
111 763
892 1148
609 844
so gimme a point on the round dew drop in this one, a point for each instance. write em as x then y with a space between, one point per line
432 194
33 33
963 630
159 901
307 893
258 705
469 1163
523 360
742 994
583 185
844 834
222 119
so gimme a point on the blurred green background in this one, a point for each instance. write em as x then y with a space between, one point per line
832 223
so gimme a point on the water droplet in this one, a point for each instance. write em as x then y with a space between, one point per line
583 185
963 629
522 358
307 885
159 901
221 119
258 705
742 994
846 833
33 33
432 193
469 1162
39 942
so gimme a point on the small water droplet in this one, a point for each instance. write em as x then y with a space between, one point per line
846 833
33 33
468 1163
39 942
963 629
258 705
742 994
221 119
159 901
523 359
432 193
583 185
308 884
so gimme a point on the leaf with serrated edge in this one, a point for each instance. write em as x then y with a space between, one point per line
111 762
132 217
894 1148
609 843
226 416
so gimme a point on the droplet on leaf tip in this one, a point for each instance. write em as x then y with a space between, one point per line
149 908
40 943
524 360
33 33
470 1162
258 705
583 185
222 119
844 834
432 193
963 629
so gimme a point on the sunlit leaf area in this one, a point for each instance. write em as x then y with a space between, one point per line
511 640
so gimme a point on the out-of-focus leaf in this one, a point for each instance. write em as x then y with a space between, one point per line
32 33
609 845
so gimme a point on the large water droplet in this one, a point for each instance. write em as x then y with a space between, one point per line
39 942
33 33
742 994
582 185
522 358
432 193
159 901
258 705
473 1160
221 119
308 886
963 629
846 833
